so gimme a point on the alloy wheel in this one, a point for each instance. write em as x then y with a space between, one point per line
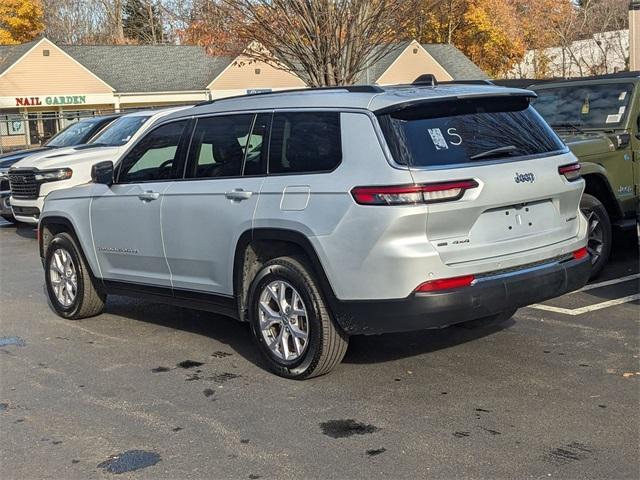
64 277
595 241
284 323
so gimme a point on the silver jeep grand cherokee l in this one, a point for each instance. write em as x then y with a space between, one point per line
318 214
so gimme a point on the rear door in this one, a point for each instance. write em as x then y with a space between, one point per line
520 203
204 215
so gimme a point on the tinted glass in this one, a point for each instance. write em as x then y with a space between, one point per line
155 157
120 131
218 146
256 158
75 134
451 133
305 142
586 106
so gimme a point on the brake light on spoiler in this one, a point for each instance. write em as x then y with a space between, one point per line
412 194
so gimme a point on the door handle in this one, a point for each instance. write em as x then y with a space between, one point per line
148 196
238 194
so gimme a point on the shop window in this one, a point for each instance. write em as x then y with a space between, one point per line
12 123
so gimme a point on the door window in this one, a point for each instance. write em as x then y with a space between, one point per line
218 146
305 142
156 157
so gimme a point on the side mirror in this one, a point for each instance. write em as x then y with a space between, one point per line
102 173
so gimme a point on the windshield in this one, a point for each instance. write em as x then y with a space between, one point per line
601 106
120 131
74 134
467 131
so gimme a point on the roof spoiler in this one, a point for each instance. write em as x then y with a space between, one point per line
474 96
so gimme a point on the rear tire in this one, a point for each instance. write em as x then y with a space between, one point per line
599 233
291 323
490 321
71 288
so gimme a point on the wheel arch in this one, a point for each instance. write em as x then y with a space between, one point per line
598 186
256 246
50 226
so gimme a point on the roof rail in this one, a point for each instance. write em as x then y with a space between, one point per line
348 88
468 82
426 79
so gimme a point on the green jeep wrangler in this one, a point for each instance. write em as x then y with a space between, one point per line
599 120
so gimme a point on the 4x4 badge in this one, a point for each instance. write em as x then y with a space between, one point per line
525 177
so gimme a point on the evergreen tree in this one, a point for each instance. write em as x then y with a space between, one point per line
142 22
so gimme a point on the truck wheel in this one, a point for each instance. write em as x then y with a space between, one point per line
70 286
600 238
490 321
291 322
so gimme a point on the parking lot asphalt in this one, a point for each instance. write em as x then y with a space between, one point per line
553 393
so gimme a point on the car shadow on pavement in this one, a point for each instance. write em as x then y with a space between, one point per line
26 231
236 335
395 346
223 329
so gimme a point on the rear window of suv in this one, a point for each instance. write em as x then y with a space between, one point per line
466 131
305 142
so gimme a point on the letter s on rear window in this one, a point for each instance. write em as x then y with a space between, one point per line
455 132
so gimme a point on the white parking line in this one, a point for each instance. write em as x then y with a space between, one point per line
608 282
589 308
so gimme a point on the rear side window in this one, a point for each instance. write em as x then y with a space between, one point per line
467 131
305 142
218 146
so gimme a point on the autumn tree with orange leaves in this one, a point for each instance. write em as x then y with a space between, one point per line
20 21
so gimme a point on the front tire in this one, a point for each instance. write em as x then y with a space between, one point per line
599 232
71 288
291 323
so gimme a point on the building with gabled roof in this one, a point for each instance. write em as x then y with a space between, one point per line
49 85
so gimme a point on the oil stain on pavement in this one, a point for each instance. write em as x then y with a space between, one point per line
346 428
376 451
129 461
571 452
186 364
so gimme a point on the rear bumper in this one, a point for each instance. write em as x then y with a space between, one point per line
489 295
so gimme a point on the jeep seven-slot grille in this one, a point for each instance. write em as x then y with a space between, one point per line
23 185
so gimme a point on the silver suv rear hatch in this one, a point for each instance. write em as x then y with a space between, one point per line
520 201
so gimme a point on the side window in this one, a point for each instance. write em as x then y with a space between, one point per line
255 162
219 145
305 142
155 157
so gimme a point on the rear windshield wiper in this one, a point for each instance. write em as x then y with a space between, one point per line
494 152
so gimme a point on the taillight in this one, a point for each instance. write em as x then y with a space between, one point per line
571 172
412 194
446 284
580 253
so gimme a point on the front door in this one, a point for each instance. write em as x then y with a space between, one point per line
203 217
125 218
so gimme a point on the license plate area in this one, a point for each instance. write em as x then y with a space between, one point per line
522 220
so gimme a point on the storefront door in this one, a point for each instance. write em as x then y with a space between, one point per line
34 135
